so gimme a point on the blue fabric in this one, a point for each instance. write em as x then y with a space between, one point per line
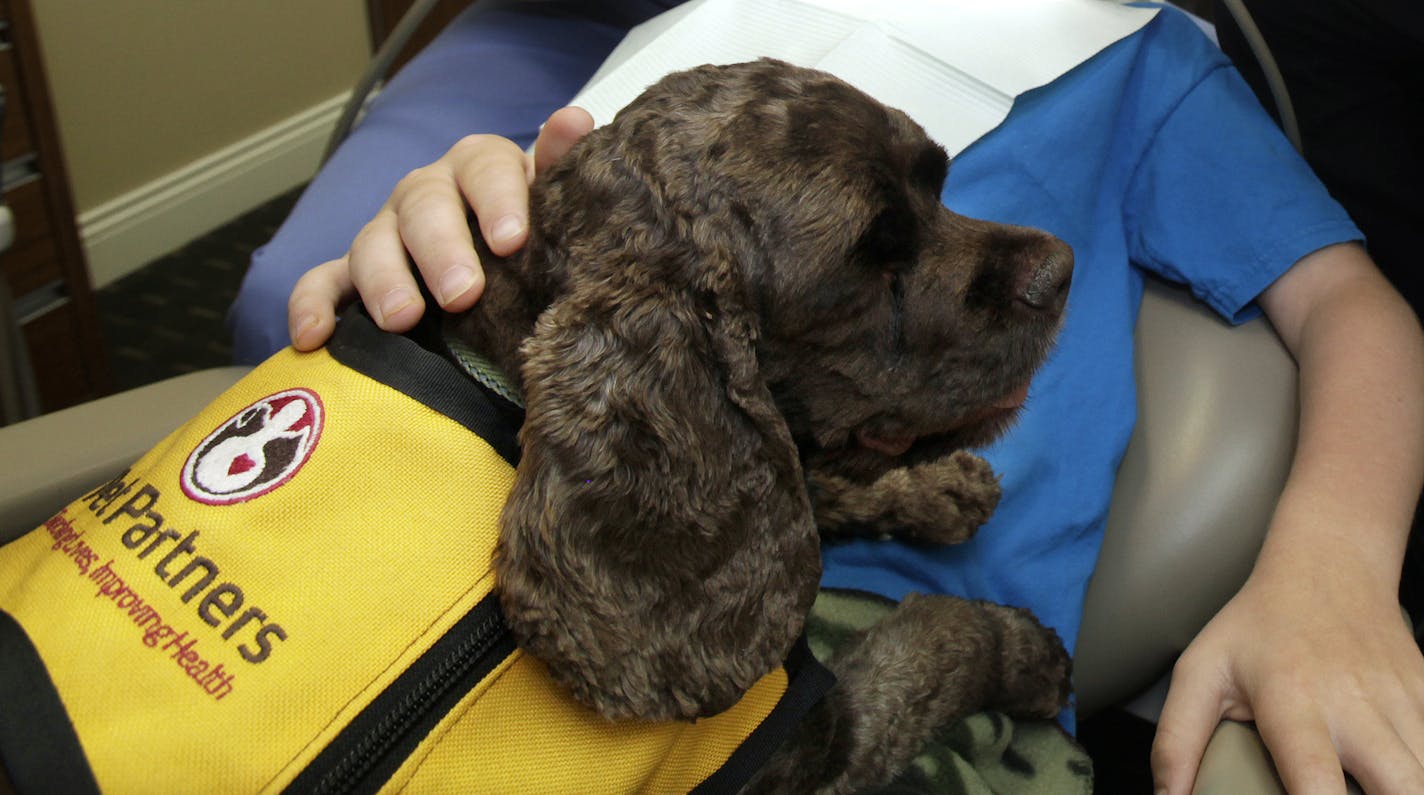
1152 155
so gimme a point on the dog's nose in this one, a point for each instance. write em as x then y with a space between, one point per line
1043 285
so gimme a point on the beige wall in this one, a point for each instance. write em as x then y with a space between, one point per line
143 87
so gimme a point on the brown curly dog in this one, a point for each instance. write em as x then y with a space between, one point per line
743 318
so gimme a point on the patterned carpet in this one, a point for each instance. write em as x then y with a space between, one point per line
167 318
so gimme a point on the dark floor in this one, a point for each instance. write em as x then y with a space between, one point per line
167 318
1120 745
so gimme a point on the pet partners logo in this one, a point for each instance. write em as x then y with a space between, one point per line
257 450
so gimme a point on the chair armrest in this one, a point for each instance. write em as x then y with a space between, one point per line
1236 762
1208 457
54 458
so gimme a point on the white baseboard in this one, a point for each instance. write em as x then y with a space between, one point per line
131 230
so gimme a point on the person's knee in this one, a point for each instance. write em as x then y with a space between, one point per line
257 319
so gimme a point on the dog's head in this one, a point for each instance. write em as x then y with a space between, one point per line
748 271
892 330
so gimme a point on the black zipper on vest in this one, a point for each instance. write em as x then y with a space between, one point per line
370 750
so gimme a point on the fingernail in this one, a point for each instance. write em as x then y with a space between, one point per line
506 229
393 302
456 281
300 327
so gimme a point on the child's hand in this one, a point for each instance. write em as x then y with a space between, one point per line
424 220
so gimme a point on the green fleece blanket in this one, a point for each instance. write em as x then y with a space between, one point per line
987 753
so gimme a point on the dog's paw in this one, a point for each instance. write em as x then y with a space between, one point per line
938 502
945 501
1036 677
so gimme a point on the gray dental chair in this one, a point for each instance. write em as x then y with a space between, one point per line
1206 461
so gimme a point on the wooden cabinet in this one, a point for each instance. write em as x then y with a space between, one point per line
44 268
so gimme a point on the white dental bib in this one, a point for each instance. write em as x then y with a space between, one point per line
954 66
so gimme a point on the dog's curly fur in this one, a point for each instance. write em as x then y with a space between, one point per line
743 315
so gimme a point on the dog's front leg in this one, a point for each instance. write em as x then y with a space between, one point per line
942 501
931 662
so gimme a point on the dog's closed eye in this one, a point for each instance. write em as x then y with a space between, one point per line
889 242
930 169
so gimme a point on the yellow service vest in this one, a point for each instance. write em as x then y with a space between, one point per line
293 592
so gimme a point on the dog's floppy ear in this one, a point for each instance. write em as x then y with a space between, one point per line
657 551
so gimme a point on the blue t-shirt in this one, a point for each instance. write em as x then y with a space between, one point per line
1152 155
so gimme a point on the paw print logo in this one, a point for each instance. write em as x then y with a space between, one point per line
257 450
